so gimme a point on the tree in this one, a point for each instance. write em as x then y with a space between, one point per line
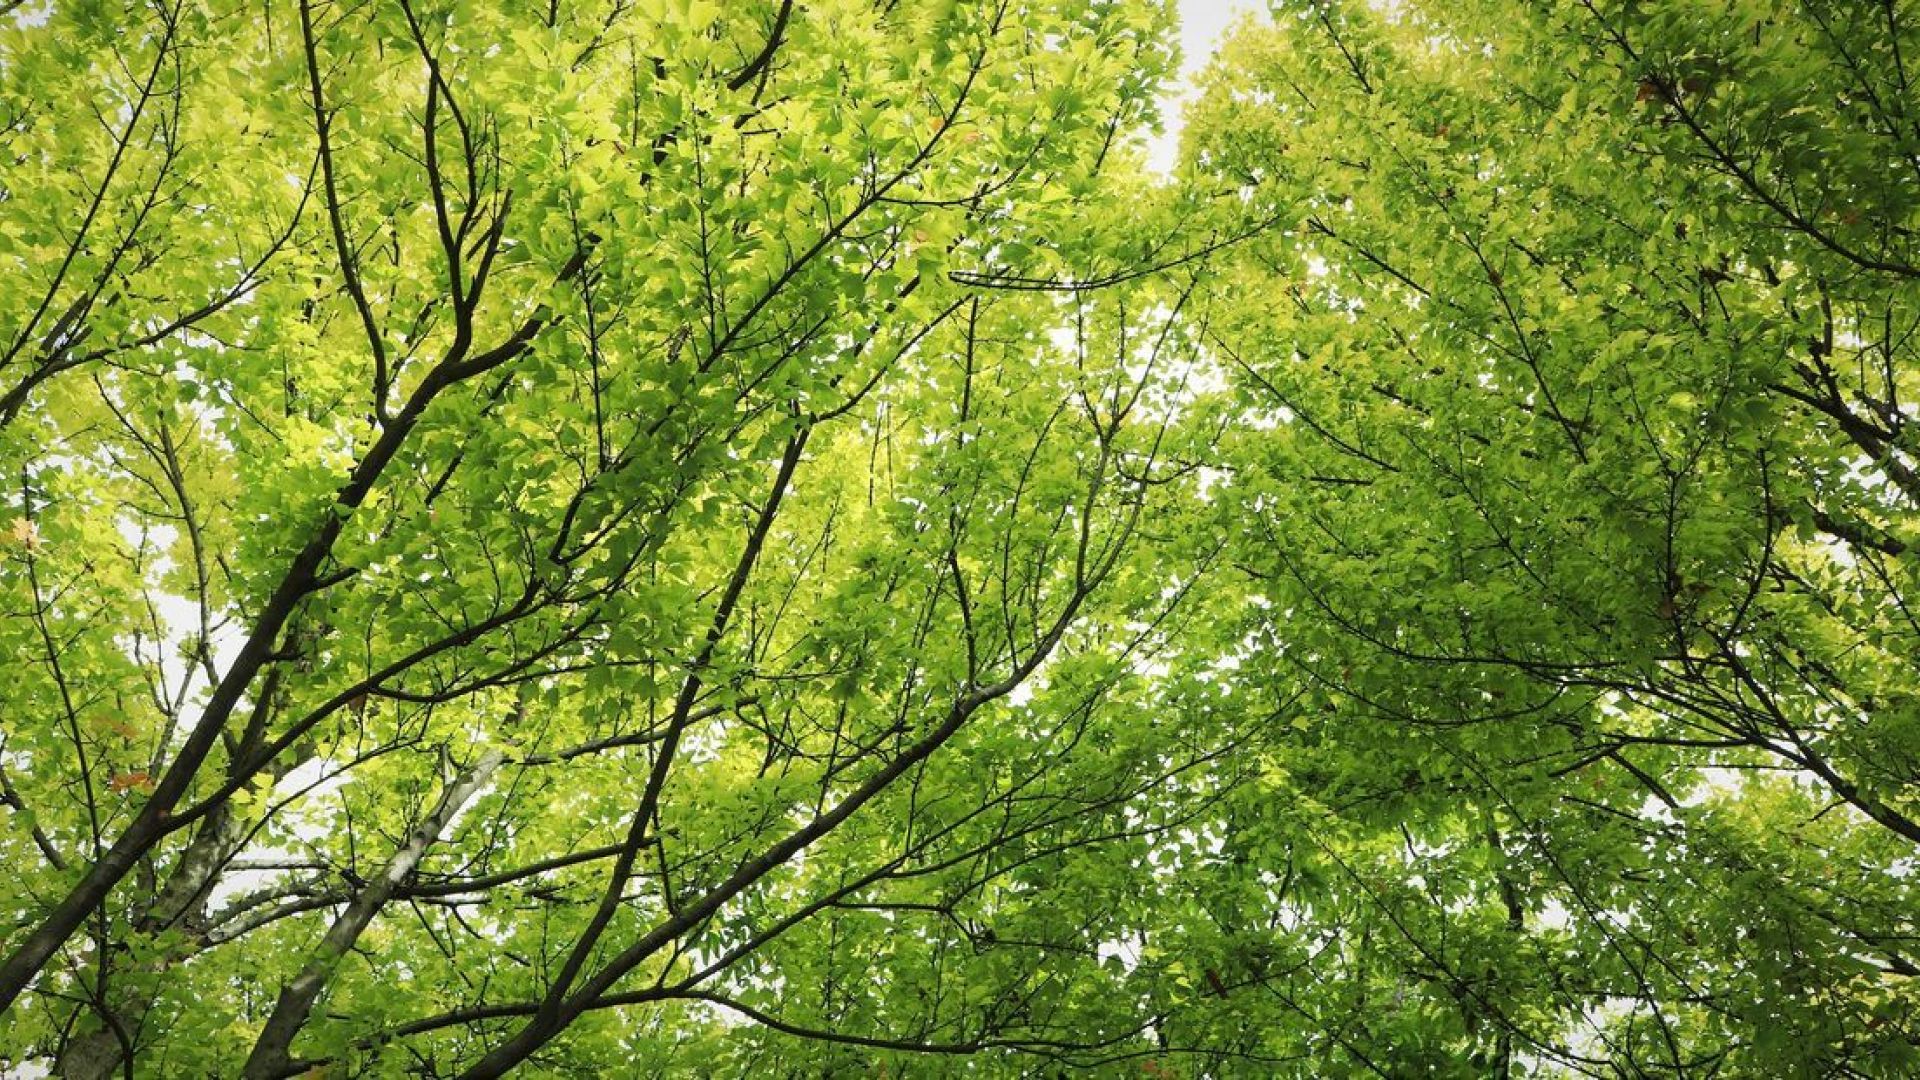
753 539
568 536
1575 485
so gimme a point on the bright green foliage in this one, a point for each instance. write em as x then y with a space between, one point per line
524 525
1574 474
646 538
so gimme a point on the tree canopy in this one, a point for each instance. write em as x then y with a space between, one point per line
1575 473
642 538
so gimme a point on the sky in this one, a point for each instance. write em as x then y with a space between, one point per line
1202 24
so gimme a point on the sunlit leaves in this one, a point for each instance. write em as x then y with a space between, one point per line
1572 496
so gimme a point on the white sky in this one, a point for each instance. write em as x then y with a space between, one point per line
1202 24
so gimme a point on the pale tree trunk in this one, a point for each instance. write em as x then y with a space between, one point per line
98 1054
270 1056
